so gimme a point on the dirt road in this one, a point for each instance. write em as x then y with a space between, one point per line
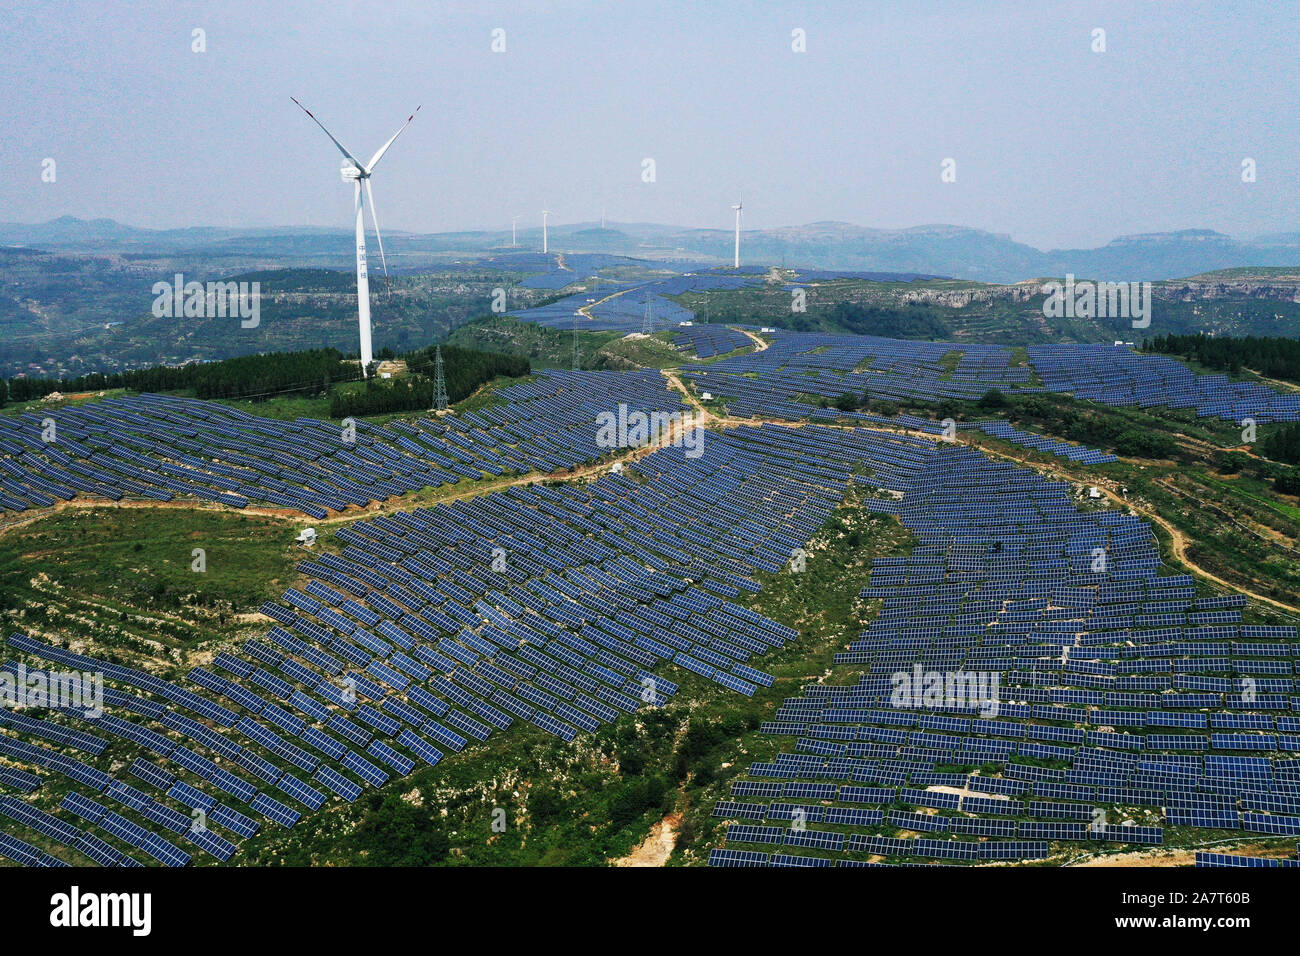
703 417
1179 540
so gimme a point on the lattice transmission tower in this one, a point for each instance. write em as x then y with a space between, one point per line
439 381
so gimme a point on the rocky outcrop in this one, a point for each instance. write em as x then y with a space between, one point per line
1191 291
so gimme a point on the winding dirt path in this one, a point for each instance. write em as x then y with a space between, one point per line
703 418
88 501
1180 544
1178 539
585 310
1175 856
703 415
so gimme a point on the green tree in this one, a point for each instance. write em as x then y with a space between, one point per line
397 833
846 402
1231 462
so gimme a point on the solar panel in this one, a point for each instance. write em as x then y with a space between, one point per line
364 769
275 810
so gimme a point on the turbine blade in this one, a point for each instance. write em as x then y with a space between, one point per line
342 149
383 149
370 200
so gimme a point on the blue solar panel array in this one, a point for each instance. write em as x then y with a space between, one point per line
626 310
1120 376
1124 703
709 341
1079 453
561 607
791 377
159 447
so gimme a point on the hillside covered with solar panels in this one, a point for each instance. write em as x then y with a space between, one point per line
866 604
160 446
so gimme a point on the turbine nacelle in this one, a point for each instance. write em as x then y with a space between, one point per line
351 173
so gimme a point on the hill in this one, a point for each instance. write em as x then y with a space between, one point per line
936 249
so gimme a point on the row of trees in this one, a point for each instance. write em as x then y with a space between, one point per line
853 402
282 373
249 376
464 370
1283 445
1096 431
382 397
1272 357
276 373
467 369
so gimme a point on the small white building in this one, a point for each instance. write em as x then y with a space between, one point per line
707 396
1094 492
616 468
306 537
687 322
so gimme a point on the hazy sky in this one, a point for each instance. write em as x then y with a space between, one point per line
1054 144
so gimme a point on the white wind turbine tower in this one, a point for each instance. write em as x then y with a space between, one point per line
359 174
514 221
737 207
545 213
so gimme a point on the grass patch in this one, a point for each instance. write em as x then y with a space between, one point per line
123 576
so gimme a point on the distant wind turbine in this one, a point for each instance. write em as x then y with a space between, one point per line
737 207
353 169
513 222
545 213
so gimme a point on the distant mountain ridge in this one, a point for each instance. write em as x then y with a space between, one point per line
956 251
69 232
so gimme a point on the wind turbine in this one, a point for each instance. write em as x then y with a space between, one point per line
545 213
358 173
514 220
737 207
